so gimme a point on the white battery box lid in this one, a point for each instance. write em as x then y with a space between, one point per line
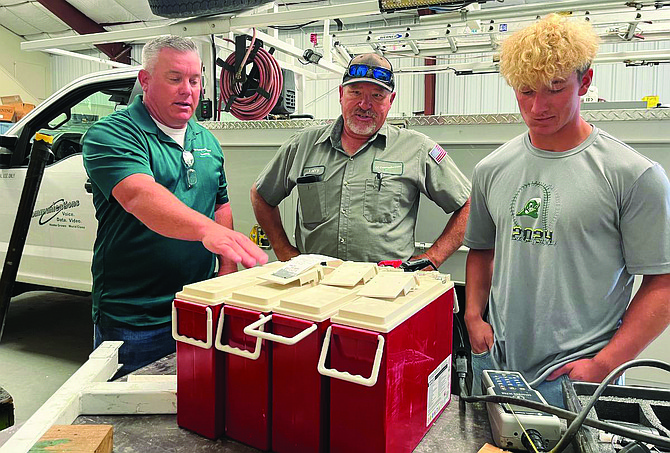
350 274
264 296
390 285
317 303
215 290
383 315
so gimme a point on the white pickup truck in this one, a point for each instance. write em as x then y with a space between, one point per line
59 246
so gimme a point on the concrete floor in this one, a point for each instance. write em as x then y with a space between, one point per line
47 337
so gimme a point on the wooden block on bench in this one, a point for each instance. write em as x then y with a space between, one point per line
76 439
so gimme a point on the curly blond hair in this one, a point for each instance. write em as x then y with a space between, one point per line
553 47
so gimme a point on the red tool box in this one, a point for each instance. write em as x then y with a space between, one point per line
403 346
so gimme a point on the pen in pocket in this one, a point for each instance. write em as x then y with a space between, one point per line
379 181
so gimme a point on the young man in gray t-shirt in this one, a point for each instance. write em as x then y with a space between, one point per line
561 219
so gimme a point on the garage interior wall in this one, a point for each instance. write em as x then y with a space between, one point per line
66 69
27 74
455 95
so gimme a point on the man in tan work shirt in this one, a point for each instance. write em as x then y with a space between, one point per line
359 180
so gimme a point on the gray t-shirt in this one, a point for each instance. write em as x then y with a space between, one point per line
569 230
361 207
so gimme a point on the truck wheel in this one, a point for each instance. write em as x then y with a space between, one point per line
191 8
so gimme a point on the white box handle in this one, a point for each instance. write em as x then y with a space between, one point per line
236 351
251 330
192 341
343 375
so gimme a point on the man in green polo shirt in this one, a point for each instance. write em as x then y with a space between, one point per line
359 180
161 201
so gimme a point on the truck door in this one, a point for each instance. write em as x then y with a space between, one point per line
59 246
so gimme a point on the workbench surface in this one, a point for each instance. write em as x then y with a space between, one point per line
452 432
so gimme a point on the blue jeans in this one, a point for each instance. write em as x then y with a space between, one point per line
141 346
552 391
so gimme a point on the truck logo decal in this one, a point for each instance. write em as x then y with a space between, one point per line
52 211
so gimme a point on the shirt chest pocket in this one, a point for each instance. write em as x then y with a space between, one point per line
382 200
313 205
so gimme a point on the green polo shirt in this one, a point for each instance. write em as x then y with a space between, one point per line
136 272
361 207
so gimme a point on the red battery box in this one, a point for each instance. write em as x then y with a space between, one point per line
300 395
200 367
390 363
248 366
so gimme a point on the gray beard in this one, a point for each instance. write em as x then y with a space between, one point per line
361 129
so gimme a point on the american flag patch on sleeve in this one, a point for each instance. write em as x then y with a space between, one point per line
437 153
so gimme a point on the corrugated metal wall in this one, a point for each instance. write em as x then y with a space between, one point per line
66 69
616 82
473 94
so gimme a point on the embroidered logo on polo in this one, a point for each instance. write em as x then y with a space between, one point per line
202 152
534 209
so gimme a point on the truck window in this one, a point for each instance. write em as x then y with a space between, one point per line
68 128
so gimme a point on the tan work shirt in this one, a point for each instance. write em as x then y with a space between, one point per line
361 207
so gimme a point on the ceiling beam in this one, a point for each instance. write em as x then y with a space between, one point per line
84 25
66 53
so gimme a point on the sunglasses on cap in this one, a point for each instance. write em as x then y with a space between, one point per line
383 75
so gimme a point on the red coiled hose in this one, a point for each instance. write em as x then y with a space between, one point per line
256 106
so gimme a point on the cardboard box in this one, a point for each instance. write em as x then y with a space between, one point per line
7 113
19 107
22 109
14 99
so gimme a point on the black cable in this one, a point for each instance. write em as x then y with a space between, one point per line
462 371
291 27
570 416
459 327
577 420
636 447
532 440
453 7
216 113
577 423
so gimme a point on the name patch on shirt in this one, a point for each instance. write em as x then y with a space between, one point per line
318 170
437 153
387 167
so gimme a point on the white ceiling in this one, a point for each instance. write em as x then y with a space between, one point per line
30 20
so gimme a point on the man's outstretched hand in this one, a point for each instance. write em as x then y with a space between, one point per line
234 246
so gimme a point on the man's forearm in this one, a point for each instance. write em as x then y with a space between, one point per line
269 219
224 217
478 274
158 209
647 316
451 238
